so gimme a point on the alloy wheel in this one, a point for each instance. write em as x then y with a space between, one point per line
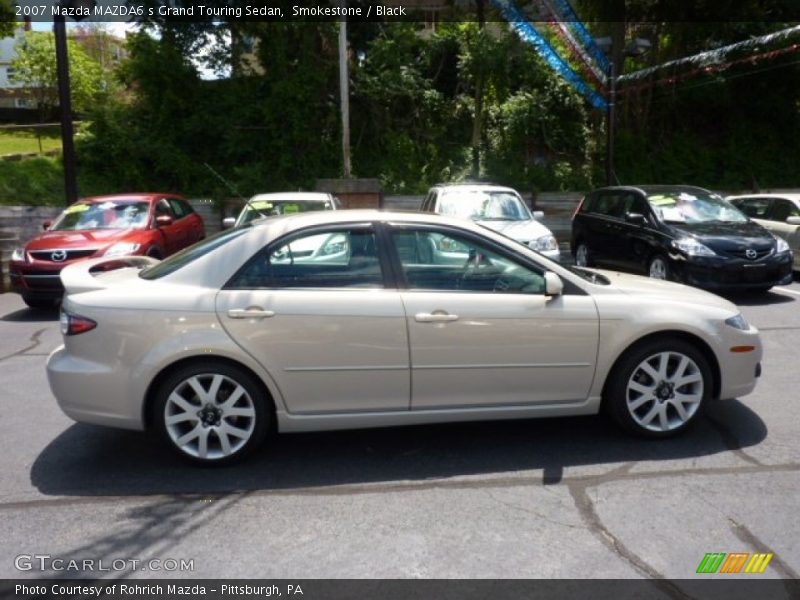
658 268
582 256
664 391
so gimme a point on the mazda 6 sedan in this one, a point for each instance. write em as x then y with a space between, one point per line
354 319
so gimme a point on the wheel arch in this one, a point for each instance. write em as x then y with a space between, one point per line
684 336
152 388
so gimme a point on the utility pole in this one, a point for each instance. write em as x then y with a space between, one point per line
344 95
65 108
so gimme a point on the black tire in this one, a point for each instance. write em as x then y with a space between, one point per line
617 394
154 253
44 303
664 262
581 247
253 399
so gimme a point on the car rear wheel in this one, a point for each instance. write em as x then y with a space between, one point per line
658 268
582 256
658 389
211 413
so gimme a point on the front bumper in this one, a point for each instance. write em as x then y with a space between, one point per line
739 370
718 273
37 281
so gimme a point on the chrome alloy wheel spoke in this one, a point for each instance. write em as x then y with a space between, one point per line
664 391
209 416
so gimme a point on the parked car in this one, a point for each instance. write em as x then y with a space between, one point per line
282 203
155 225
678 233
496 207
353 319
780 213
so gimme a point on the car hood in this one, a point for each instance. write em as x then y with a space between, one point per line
656 288
521 231
77 239
727 236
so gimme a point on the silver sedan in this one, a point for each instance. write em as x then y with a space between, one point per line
352 319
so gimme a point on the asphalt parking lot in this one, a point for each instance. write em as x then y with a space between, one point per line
570 498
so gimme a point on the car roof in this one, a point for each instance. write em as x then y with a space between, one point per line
474 187
144 196
326 217
651 190
791 196
292 196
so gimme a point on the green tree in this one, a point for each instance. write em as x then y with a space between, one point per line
35 68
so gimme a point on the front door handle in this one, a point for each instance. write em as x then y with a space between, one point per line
437 316
250 313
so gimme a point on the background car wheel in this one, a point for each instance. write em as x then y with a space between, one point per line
211 413
154 253
39 302
658 268
659 388
583 257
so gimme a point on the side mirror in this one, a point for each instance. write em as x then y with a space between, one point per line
228 222
538 215
46 225
635 219
553 286
163 221
793 221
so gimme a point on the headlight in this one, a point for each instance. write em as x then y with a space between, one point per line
738 322
545 243
692 247
18 254
781 245
122 249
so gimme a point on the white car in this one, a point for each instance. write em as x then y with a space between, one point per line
779 213
352 319
499 208
282 203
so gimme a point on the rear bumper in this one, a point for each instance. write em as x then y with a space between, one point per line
723 274
89 392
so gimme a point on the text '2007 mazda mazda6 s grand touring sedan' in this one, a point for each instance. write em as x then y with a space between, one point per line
353 319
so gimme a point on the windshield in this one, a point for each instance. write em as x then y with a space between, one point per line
271 208
111 214
694 207
480 205
192 253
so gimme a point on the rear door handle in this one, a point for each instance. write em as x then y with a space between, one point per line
250 313
435 317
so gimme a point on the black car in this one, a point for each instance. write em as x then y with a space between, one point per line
680 233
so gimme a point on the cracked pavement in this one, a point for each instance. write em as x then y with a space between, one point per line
561 498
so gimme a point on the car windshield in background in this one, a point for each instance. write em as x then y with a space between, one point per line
694 207
192 253
112 214
273 208
484 206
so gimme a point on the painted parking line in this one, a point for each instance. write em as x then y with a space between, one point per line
788 291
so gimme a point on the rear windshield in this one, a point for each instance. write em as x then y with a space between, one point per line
190 254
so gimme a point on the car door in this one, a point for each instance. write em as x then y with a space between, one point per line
603 237
481 330
315 311
170 233
637 240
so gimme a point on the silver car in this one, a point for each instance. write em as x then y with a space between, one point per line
779 213
352 319
282 203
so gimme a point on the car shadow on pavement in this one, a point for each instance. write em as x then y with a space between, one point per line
94 461
32 315
758 299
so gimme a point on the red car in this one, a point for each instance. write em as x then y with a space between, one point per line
154 225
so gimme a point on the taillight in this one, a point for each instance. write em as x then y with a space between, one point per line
74 324
578 209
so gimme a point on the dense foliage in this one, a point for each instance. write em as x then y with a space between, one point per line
432 105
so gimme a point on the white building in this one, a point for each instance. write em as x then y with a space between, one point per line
10 90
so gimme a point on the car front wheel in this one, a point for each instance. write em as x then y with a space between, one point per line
211 413
658 268
658 389
582 256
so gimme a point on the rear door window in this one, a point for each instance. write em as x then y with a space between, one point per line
755 208
782 209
